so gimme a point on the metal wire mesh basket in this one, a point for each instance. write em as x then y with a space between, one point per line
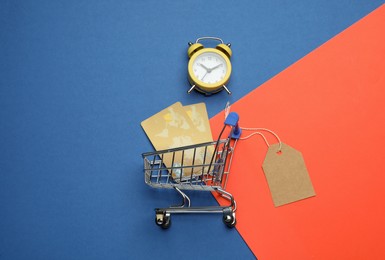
200 167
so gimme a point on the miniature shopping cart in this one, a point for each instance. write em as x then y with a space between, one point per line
201 167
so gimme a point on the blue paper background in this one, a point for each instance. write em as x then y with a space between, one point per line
76 80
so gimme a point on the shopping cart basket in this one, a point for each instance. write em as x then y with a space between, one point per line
201 167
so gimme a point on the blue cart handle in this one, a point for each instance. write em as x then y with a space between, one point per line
232 120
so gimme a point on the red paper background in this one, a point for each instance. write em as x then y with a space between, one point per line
330 106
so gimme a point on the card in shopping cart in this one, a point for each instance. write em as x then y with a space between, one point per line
178 126
198 115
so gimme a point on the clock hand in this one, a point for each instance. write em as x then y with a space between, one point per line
203 66
204 76
217 66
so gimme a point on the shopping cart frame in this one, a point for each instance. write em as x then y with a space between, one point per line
211 174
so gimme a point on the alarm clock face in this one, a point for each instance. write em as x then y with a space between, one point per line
210 67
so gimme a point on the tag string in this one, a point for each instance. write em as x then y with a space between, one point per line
259 133
227 111
255 133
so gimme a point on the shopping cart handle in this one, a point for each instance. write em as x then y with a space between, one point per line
232 120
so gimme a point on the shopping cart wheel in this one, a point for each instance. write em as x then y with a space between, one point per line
229 219
163 219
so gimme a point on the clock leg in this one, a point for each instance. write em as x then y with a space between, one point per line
227 90
191 89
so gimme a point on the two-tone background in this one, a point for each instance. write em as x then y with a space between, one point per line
78 77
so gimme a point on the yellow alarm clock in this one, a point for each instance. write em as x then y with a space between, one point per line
209 69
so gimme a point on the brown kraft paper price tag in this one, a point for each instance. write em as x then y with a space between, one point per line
286 175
